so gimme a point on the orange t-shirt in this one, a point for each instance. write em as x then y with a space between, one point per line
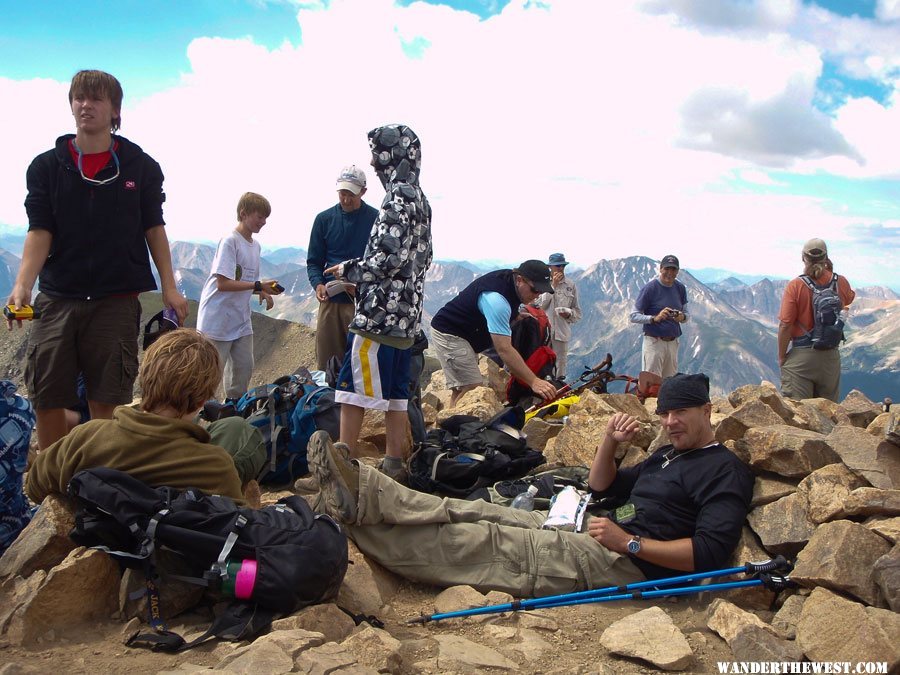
796 304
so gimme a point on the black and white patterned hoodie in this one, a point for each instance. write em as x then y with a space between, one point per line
390 277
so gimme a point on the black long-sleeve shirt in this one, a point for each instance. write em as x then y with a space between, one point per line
704 494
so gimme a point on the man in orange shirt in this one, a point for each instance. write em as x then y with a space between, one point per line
808 371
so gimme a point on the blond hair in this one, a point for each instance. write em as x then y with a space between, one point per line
180 371
251 202
814 268
97 84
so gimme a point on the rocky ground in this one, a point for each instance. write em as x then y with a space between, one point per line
827 495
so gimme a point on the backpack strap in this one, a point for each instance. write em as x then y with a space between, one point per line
468 455
239 621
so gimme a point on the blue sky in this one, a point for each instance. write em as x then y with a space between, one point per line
603 129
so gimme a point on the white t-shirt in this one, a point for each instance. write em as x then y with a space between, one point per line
226 316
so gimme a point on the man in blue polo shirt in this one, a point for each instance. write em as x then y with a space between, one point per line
338 233
480 317
660 306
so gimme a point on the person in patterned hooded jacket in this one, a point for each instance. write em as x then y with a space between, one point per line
390 281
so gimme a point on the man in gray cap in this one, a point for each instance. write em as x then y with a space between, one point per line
338 233
682 511
811 323
661 307
562 309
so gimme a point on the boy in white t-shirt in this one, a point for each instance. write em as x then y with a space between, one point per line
224 316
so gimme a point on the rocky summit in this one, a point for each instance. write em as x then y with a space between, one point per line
827 495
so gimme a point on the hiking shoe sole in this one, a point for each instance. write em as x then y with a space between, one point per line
329 469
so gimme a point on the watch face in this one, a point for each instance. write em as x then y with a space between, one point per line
634 546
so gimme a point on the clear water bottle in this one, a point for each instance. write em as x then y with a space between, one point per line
525 500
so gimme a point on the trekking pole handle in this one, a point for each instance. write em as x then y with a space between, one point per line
777 564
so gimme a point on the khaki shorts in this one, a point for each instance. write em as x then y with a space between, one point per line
98 338
458 359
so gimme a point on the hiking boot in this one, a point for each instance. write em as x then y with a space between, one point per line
338 479
306 485
399 475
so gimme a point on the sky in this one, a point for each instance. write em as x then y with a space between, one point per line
725 132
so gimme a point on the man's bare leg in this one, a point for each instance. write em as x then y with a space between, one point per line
101 411
351 424
395 426
51 426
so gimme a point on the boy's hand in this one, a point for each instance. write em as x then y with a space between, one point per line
273 287
321 293
175 300
265 295
18 298
337 271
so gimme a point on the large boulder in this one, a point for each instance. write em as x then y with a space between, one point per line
826 489
649 635
887 457
869 501
15 592
44 542
375 648
767 489
728 620
860 409
786 450
577 442
328 619
889 528
753 413
482 402
785 620
858 450
783 526
807 416
538 432
840 556
82 587
834 629
768 394
886 574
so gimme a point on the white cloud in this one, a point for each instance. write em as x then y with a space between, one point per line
553 128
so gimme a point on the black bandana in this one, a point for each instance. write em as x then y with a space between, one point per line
682 391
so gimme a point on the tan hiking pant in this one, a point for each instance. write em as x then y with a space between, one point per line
453 541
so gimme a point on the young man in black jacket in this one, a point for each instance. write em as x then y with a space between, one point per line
94 207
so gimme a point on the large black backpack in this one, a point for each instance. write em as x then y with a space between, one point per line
295 557
828 326
466 454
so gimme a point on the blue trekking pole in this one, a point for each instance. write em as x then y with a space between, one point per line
769 573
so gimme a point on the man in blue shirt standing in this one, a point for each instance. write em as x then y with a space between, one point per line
339 233
660 306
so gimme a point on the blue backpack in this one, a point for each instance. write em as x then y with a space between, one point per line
16 422
287 412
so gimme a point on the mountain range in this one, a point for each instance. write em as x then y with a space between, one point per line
730 335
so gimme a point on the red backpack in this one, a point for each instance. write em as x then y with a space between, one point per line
531 338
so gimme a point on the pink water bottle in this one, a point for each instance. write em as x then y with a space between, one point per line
239 579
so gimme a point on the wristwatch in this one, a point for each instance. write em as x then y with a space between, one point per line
634 545
257 286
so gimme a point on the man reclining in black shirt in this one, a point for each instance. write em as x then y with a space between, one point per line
683 512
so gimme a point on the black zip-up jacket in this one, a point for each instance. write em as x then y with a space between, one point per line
99 247
461 316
